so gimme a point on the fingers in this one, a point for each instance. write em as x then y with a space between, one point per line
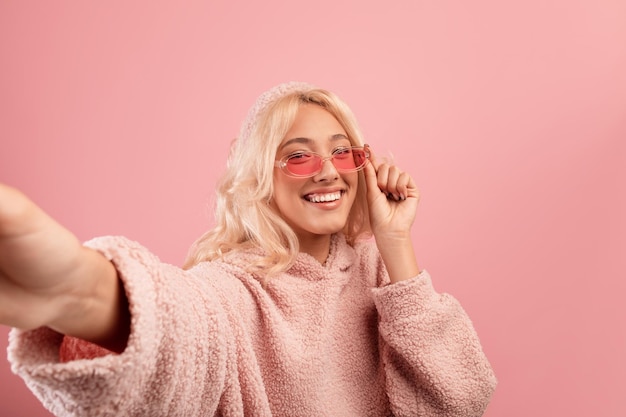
389 179
392 181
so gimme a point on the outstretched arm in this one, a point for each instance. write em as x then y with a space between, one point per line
47 278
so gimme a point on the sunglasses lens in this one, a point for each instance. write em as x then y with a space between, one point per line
303 164
359 157
344 160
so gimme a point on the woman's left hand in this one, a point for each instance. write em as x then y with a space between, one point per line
392 197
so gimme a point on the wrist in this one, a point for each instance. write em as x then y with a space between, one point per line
96 308
399 258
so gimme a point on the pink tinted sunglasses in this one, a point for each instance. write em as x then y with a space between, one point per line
307 164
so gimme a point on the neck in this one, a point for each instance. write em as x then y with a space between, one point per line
318 246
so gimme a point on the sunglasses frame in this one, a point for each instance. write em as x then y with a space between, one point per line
282 163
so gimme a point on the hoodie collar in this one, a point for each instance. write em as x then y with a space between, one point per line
340 257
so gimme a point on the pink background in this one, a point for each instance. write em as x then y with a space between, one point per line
116 118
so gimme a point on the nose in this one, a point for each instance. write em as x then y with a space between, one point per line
328 172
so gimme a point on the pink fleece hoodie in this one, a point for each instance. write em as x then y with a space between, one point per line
318 340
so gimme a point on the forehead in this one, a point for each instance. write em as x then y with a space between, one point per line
314 124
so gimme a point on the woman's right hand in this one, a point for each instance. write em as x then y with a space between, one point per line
48 278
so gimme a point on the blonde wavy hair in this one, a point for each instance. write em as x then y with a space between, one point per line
244 216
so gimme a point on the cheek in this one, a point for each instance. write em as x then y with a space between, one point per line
354 185
285 185
352 180
285 190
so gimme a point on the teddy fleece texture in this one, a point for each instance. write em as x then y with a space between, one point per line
319 340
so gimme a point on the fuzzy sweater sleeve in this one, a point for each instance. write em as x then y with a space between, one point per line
174 363
434 363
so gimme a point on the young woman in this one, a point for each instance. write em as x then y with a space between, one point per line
285 308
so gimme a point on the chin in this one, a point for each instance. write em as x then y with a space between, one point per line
327 230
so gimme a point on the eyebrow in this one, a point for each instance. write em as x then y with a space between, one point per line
335 137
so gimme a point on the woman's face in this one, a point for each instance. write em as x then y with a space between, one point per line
315 206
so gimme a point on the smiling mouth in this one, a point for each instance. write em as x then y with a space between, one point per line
323 198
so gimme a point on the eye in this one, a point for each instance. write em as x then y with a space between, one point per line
300 157
342 152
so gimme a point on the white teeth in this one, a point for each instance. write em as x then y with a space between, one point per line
324 198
